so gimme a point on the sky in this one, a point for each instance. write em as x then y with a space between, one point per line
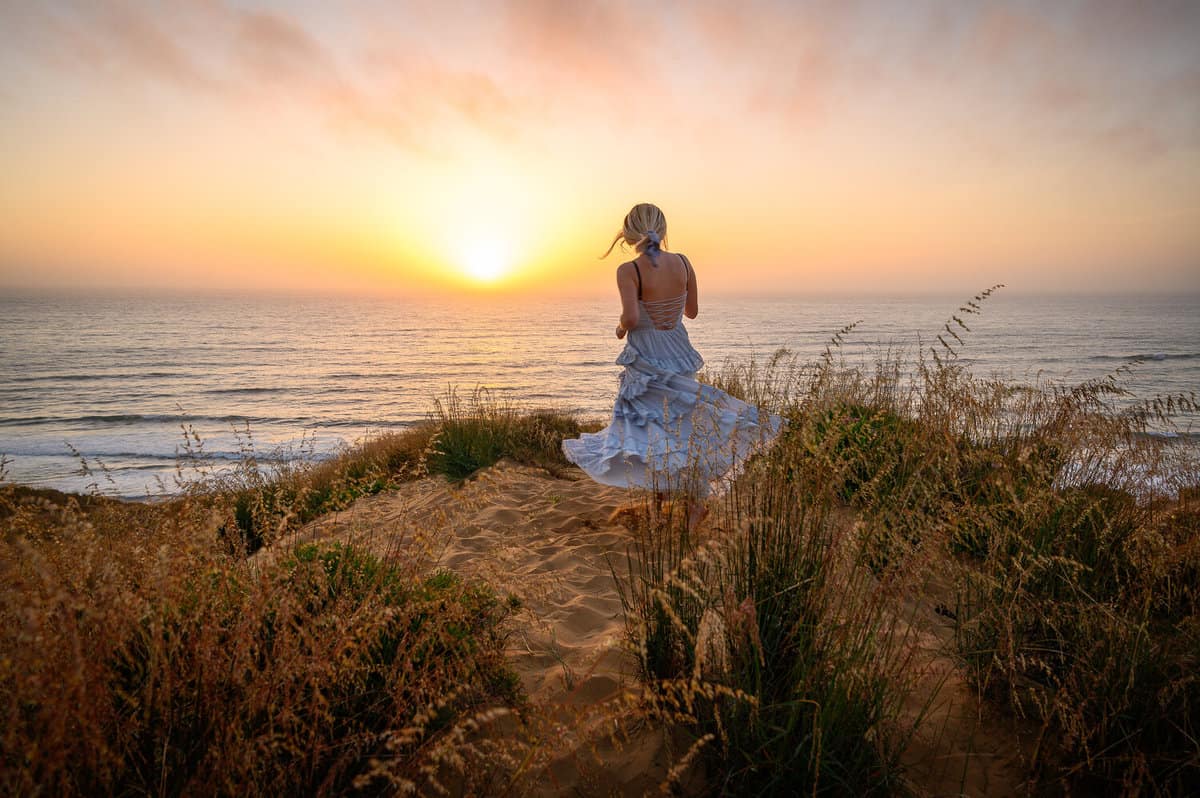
412 148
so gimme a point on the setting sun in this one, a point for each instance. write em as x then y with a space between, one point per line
485 259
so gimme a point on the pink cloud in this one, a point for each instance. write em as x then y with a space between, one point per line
1002 71
243 56
273 47
110 38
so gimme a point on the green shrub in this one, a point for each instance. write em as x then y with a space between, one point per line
477 432
865 446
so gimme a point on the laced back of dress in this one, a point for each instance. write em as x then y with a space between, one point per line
665 313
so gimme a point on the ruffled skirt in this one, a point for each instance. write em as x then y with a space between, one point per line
670 432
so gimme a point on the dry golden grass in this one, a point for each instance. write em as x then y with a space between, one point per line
146 658
1071 586
1074 584
141 651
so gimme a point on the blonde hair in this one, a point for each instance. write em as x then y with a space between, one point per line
644 218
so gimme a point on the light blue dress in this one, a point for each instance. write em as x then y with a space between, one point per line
668 431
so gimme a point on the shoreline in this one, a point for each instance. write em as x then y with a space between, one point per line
229 463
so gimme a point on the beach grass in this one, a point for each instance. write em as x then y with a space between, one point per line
150 660
1072 587
142 648
463 434
475 431
146 651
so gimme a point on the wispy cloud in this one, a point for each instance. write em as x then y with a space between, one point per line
883 113
241 56
506 68
272 48
107 39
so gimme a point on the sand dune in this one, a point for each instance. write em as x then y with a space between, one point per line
551 542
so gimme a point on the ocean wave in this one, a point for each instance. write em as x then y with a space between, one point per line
148 418
370 375
359 423
1149 356
146 375
149 460
1180 436
250 391
126 469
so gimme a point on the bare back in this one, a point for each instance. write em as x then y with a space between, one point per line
658 290
665 279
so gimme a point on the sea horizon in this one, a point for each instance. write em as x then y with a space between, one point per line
605 290
113 381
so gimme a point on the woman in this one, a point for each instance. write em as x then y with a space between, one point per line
669 433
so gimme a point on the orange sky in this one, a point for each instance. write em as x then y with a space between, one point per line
395 148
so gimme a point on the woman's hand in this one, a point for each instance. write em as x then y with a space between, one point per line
620 331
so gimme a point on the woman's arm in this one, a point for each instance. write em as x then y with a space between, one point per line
627 286
692 308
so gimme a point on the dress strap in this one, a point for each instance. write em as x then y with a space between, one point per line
639 278
687 263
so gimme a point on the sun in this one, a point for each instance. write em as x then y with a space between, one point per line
485 259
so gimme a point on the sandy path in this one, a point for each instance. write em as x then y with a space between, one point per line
550 542
527 534
960 747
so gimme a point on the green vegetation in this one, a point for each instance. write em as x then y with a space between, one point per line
475 433
460 437
142 651
1072 592
1075 590
768 636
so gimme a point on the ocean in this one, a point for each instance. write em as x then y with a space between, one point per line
114 383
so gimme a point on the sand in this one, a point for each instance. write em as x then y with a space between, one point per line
554 542
550 542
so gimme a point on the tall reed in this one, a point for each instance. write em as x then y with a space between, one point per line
140 656
767 633
1074 598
